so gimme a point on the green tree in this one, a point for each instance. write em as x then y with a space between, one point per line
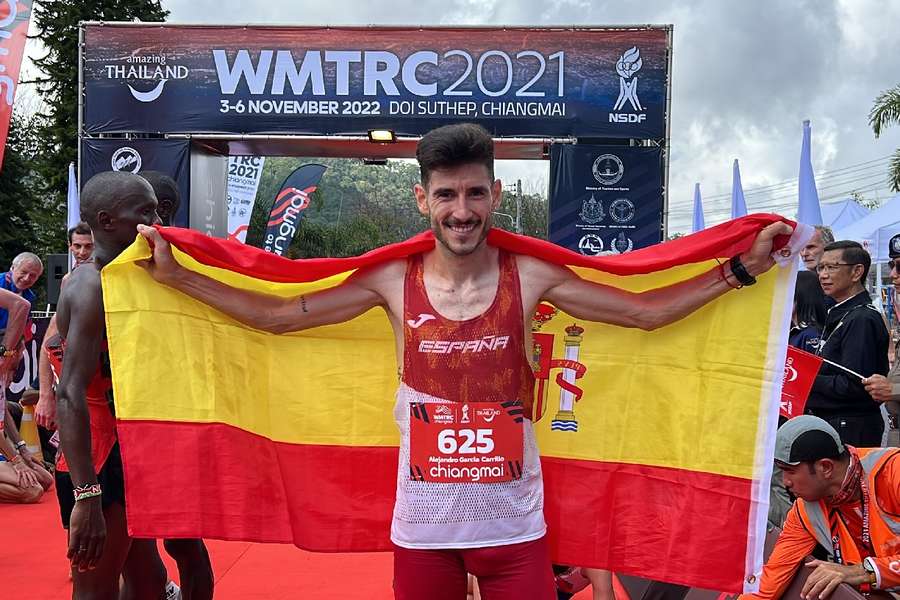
17 227
356 207
57 127
886 112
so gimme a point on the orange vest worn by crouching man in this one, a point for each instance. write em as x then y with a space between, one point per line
811 523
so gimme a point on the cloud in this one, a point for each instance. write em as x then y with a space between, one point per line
745 76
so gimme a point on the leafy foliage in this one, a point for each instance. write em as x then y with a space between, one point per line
359 207
18 231
886 112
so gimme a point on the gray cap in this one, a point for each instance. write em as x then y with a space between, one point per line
806 438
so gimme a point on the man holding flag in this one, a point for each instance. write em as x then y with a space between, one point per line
461 315
854 340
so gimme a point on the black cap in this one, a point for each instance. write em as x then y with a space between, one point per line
894 246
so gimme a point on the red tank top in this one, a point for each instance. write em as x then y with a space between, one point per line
477 360
99 402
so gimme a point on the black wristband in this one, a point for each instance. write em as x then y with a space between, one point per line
740 271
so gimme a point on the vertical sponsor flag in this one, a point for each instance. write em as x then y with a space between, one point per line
738 206
73 202
699 222
244 173
73 207
290 202
664 436
14 17
800 370
810 212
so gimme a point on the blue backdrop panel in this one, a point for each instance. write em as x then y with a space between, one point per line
605 199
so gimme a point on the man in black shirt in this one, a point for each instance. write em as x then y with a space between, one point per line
854 337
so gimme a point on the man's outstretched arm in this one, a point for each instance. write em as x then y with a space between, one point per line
261 311
659 307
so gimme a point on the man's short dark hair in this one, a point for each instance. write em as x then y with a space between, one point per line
80 228
852 253
105 190
163 185
454 145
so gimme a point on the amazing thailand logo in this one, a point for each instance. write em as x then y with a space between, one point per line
145 75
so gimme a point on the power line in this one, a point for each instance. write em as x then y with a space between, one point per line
863 166
773 205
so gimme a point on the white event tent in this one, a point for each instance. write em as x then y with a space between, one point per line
840 215
874 230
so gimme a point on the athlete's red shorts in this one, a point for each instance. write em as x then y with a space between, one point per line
514 572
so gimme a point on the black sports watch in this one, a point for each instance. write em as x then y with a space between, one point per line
740 271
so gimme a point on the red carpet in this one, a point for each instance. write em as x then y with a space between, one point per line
33 555
34 565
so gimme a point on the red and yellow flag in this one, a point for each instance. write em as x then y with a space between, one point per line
656 446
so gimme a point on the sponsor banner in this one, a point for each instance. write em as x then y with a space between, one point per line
26 375
605 199
318 81
243 181
290 202
133 156
800 370
14 18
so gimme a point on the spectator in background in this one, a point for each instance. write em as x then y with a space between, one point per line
887 389
18 480
811 254
807 322
24 273
81 243
809 314
168 197
854 337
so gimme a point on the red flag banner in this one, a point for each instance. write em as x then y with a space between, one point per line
14 17
800 370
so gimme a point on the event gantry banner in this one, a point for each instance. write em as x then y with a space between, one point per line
581 82
171 157
14 18
605 199
655 445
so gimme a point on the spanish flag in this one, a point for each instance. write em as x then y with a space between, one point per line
656 446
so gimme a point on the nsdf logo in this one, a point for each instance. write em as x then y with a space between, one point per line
627 68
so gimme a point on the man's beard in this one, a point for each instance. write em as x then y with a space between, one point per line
438 230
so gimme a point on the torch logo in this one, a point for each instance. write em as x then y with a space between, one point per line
627 67
543 363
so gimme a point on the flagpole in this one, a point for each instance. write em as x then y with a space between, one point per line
842 367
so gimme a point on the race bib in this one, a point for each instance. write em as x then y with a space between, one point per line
454 442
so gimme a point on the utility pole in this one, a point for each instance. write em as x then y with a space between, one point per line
518 206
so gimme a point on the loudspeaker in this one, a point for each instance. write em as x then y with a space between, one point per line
57 267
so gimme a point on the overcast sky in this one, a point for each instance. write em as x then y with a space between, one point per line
745 76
